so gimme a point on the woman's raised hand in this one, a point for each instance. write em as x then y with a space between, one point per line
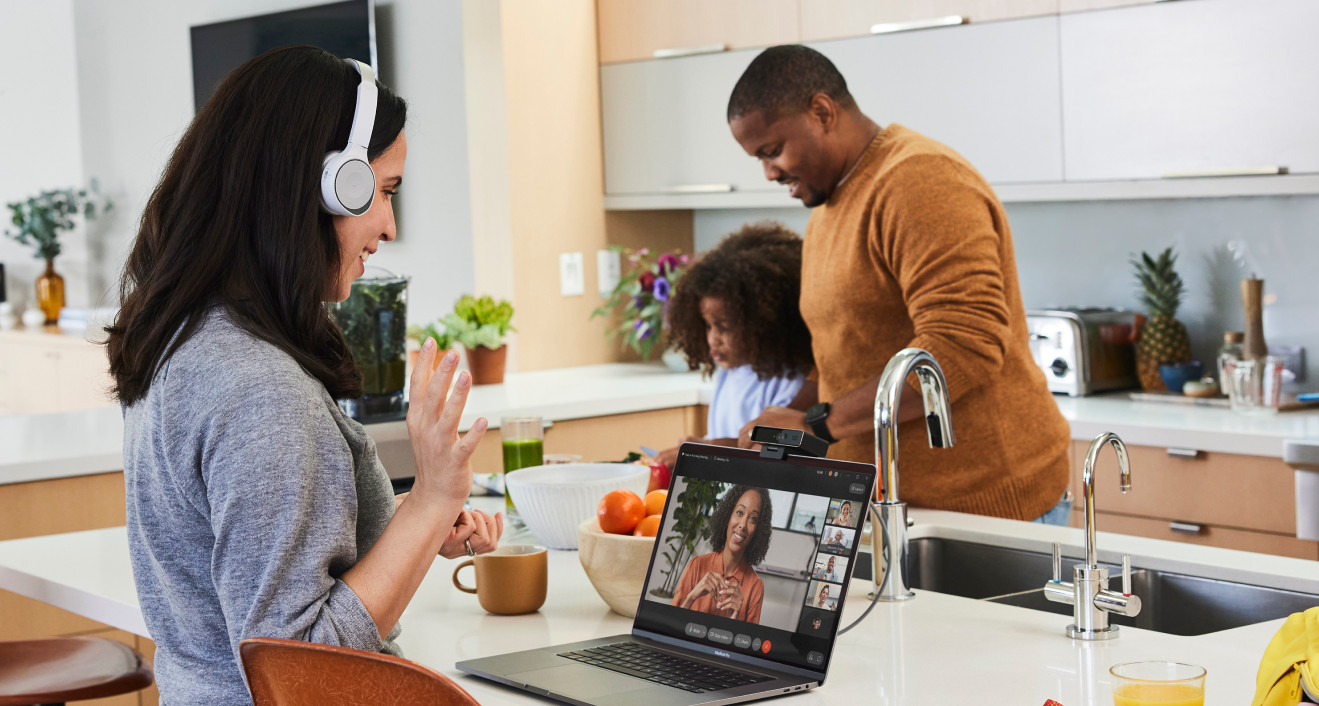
730 598
444 459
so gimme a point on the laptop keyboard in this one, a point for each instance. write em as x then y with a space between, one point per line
663 667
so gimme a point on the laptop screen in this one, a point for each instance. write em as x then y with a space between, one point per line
754 555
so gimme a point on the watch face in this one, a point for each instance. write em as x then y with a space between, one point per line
817 412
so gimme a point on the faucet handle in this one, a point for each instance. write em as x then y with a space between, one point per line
1126 574
1057 562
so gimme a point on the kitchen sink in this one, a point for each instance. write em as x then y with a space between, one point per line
1173 603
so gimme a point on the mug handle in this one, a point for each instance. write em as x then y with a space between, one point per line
459 584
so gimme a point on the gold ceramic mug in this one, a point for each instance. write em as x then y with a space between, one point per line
510 580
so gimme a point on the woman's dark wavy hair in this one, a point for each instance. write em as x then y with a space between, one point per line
723 512
236 221
756 272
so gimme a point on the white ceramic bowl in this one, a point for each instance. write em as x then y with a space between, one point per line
554 499
616 565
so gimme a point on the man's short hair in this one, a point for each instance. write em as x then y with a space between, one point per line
782 80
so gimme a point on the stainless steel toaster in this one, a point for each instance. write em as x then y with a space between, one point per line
1084 350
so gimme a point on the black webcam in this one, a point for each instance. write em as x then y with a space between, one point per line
776 443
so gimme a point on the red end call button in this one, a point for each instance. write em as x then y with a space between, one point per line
764 647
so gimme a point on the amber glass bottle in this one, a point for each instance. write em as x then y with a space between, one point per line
50 292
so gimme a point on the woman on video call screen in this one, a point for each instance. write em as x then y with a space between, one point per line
723 582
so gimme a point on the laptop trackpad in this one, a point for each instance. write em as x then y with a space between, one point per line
580 681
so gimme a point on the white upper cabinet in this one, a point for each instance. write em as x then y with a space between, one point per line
988 91
1190 87
830 19
633 30
666 131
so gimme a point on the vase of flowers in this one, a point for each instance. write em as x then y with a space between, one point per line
641 298
480 324
38 221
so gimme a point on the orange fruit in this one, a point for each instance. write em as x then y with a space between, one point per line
620 511
655 502
648 527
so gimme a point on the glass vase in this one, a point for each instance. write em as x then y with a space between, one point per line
50 292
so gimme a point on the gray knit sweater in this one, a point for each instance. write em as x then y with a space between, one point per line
249 494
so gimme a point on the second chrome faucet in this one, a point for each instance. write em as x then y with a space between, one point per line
1088 590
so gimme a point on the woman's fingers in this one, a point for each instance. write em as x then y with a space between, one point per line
437 388
452 411
467 445
421 374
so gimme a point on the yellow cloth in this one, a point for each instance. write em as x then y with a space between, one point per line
1289 658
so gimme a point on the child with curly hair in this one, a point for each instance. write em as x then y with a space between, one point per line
735 313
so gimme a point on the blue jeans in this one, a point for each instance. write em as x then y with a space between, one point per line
1059 514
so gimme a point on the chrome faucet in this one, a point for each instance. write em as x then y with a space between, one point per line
1088 592
891 548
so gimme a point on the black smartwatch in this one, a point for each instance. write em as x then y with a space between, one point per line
817 418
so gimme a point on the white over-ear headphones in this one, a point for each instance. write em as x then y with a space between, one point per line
348 186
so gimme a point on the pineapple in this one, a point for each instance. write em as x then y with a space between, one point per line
1163 339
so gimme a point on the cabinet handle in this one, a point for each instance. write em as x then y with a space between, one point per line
699 189
1183 453
1225 172
930 23
672 52
1186 527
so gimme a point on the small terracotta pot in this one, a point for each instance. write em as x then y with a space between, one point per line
487 364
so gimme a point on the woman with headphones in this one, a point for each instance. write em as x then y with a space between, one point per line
255 506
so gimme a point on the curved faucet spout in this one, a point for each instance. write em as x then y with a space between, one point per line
1088 479
938 411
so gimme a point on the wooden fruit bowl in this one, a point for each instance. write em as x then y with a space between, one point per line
615 564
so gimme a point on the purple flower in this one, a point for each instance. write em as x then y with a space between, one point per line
662 289
647 281
638 302
667 263
643 330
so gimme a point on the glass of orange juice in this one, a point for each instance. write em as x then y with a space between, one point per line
1158 684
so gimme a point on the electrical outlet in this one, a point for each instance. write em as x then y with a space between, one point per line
1293 358
572 278
609 268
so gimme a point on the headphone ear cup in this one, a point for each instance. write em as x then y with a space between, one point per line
348 184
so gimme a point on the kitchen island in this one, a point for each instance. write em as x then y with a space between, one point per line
935 649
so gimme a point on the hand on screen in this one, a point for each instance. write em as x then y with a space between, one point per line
730 598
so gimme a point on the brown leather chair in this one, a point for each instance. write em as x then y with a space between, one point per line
293 673
56 670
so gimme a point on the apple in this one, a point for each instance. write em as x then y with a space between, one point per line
659 476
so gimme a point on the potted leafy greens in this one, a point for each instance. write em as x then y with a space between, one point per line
480 324
374 320
419 334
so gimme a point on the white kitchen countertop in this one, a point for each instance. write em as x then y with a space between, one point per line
38 447
86 442
935 649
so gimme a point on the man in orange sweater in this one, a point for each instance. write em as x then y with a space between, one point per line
907 246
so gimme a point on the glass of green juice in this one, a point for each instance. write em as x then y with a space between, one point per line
524 446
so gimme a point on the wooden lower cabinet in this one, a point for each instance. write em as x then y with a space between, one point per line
1221 500
1208 535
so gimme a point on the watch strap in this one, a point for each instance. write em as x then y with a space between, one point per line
817 418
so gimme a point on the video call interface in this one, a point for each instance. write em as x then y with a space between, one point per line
750 562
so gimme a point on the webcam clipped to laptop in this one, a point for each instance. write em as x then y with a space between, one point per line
752 612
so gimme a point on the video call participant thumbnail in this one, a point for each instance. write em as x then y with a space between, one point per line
843 513
722 582
829 567
837 540
823 596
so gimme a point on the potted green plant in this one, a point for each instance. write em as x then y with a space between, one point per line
38 222
419 334
480 324
641 299
691 524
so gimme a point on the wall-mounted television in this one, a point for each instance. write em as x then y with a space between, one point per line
346 29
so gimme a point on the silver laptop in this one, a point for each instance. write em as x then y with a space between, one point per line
750 611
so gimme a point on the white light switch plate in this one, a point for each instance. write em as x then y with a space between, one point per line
572 277
609 268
